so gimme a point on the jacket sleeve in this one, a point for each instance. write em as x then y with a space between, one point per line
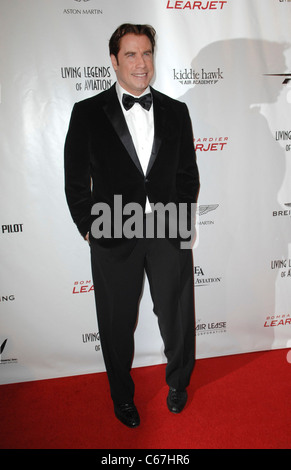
77 171
187 178
187 183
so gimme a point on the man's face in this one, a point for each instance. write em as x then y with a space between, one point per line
134 67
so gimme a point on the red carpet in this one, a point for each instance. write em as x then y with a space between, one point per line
235 402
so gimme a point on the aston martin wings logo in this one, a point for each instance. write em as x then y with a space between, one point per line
207 208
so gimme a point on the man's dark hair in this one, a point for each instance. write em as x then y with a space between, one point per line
127 28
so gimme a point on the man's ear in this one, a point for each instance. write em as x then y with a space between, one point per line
114 61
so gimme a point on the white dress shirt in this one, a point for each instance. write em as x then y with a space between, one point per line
140 123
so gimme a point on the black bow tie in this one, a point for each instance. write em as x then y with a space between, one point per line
145 101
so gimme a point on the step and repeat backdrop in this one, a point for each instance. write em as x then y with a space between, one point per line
230 62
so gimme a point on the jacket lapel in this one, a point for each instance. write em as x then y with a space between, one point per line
114 113
159 121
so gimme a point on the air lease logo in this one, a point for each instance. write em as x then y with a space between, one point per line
210 328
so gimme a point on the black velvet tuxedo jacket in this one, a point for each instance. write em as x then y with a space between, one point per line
101 161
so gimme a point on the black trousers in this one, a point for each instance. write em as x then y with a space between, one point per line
118 283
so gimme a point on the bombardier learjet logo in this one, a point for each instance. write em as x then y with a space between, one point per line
193 5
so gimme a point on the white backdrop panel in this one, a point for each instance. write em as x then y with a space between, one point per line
230 61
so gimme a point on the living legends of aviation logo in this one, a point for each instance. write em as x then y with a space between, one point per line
92 339
96 78
284 136
283 266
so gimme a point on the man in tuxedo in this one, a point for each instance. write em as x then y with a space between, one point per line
142 152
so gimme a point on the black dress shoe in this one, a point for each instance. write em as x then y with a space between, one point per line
176 400
127 414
